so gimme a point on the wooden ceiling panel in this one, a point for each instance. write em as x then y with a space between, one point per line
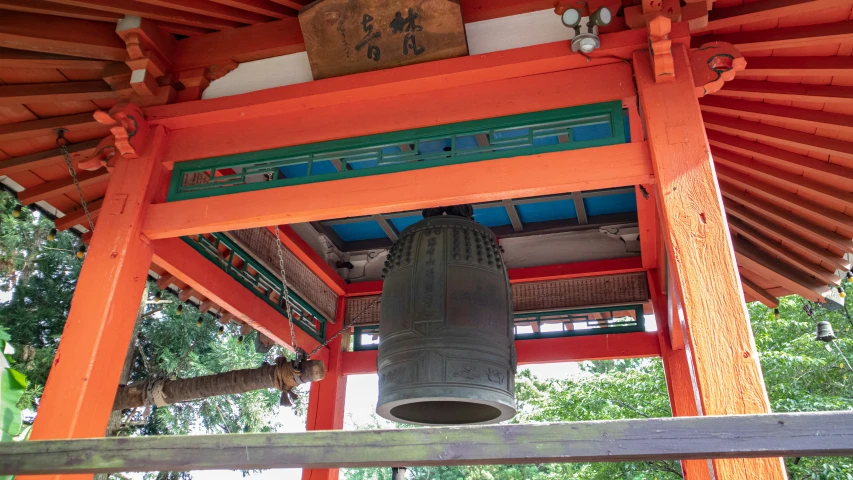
82 74
14 114
45 109
18 76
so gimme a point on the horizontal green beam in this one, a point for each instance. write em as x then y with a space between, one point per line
745 436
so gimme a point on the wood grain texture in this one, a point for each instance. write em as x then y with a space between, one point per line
517 177
727 369
746 436
752 289
64 36
78 396
343 37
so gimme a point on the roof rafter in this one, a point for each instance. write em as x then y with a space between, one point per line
56 92
78 216
47 126
801 117
778 135
753 290
208 8
50 8
62 186
154 12
79 151
772 268
798 66
781 37
64 36
791 92
762 10
262 7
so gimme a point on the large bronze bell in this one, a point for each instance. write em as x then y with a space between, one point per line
446 351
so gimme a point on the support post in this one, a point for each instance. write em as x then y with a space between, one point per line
728 375
79 393
679 376
327 397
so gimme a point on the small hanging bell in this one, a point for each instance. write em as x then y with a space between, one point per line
776 313
850 277
180 310
158 296
17 211
221 330
841 292
51 236
81 252
199 322
824 332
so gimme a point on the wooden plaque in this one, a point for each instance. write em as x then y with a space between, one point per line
351 36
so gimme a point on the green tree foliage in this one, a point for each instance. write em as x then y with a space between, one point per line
801 375
41 275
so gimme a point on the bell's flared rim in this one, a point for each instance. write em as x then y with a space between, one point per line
390 410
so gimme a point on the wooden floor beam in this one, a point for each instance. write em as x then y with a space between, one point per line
728 375
734 436
517 177
63 36
78 395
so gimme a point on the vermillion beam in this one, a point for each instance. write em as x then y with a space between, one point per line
297 246
778 135
79 123
56 92
78 216
188 266
78 151
794 92
679 375
815 233
611 266
425 77
211 9
518 177
779 177
728 374
648 224
801 117
784 37
330 115
479 10
64 36
78 395
798 66
154 12
62 186
547 350
326 400
763 10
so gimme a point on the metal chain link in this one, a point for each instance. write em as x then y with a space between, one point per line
346 326
284 288
62 143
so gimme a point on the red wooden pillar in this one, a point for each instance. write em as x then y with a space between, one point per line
728 375
326 400
80 390
679 376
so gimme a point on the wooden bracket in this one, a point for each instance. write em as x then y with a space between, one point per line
695 13
660 49
149 55
714 64
129 134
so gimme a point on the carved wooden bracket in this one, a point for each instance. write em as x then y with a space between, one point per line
149 55
692 11
129 134
714 64
660 48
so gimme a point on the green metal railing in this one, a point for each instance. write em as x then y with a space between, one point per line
586 321
241 266
525 134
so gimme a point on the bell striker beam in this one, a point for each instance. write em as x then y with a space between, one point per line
728 374
80 390
326 398
678 372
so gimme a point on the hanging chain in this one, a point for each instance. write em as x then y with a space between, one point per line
62 143
284 289
346 326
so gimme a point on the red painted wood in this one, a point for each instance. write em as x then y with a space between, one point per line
547 350
363 289
575 270
326 400
517 177
79 393
785 37
679 382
